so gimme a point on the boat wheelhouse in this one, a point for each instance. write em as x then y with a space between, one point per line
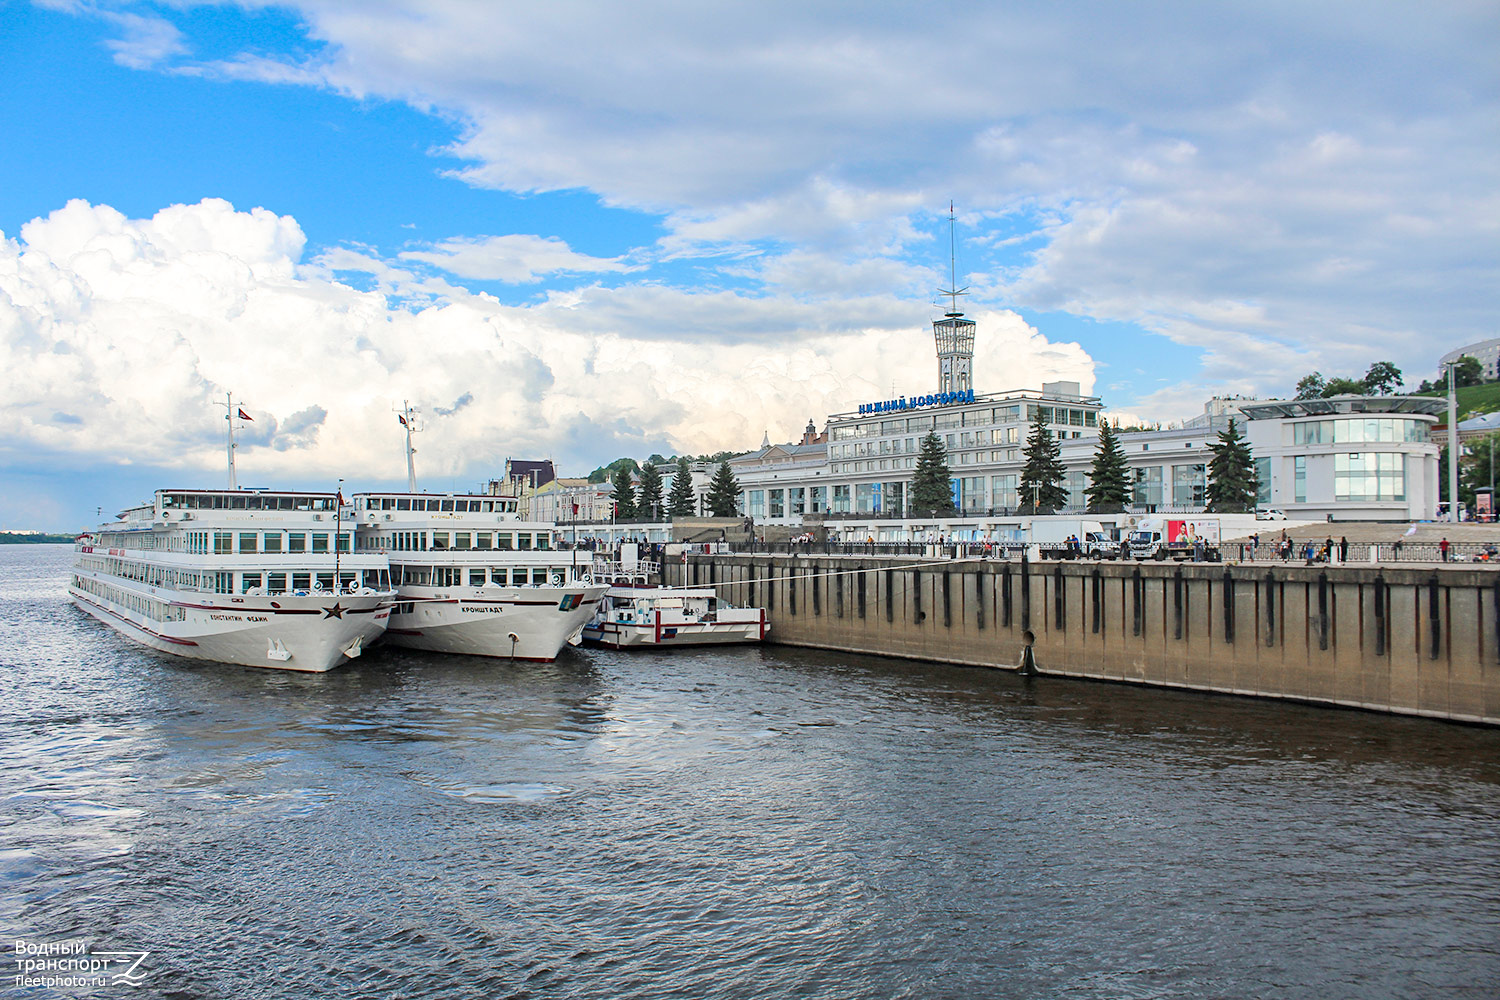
472 577
254 577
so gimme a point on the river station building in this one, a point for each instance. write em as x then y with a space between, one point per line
1345 458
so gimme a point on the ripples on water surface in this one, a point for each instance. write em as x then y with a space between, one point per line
760 822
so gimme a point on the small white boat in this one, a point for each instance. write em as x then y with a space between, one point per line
635 614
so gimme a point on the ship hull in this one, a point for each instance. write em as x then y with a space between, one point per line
523 623
312 634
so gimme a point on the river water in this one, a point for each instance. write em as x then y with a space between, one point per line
742 823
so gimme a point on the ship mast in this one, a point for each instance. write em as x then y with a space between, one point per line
408 418
229 414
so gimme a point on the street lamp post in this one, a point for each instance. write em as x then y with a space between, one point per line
1452 441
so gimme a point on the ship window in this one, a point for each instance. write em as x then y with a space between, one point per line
248 542
345 541
462 539
439 539
504 540
484 540
249 581
543 540
296 541
273 541
301 581
497 576
320 541
403 505
276 583
539 577
325 581
487 506
523 541
223 542
386 503
447 504
476 578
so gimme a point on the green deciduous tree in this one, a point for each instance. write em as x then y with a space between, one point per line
1467 371
1042 489
680 500
624 494
1310 386
1382 379
1109 478
724 493
1231 474
649 502
1342 387
931 482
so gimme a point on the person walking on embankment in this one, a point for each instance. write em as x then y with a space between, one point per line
1443 548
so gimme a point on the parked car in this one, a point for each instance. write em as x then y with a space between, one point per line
1269 514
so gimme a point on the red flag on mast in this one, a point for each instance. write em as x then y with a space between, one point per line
402 419
246 416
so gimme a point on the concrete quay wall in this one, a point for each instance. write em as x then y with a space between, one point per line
1417 641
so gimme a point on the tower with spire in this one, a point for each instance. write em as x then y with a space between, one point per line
954 334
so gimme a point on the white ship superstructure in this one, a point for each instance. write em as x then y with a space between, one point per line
254 577
471 577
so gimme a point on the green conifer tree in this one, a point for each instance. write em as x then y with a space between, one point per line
1041 489
648 503
931 482
723 493
680 502
1231 474
624 494
1109 479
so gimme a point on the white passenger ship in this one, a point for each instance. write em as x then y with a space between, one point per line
471 577
253 577
637 614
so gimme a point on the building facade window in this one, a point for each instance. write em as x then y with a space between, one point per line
1262 480
1359 430
1299 479
1003 491
1076 483
1147 485
841 500
1369 476
895 498
755 503
1189 485
971 493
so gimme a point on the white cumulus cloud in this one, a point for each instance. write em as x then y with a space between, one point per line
118 336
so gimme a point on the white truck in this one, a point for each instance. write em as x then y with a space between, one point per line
1051 536
1176 538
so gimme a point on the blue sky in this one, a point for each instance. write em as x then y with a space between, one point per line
592 230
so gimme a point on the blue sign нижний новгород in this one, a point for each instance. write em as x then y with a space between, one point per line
916 402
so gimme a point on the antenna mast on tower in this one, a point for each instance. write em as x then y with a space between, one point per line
953 333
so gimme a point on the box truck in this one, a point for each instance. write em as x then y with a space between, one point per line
1177 538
